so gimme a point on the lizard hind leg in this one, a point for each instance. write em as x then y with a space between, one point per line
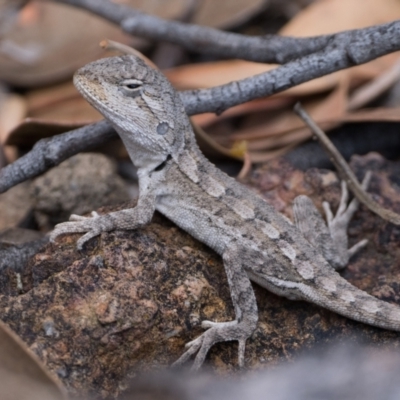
331 239
246 312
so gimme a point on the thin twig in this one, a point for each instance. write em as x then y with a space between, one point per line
112 45
371 90
344 169
203 136
247 164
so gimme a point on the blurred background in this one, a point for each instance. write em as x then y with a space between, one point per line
43 43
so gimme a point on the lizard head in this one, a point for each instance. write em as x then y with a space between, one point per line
139 102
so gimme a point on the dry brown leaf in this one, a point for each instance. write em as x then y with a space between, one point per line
42 46
61 103
161 8
264 104
31 130
374 88
204 75
224 14
43 113
373 114
22 375
12 112
326 16
302 133
333 104
330 16
218 14
326 98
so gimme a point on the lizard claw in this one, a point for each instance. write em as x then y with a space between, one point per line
193 347
217 332
91 226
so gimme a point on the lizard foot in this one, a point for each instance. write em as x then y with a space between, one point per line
331 238
93 226
217 332
338 224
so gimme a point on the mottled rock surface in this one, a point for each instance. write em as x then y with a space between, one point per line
78 185
131 300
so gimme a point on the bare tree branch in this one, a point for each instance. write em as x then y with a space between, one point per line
201 39
52 151
349 48
344 50
268 48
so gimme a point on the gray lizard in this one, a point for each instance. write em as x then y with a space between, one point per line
298 261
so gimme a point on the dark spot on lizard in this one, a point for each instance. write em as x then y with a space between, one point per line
163 164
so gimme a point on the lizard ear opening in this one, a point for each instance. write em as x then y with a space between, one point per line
163 164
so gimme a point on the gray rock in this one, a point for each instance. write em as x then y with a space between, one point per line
15 204
79 185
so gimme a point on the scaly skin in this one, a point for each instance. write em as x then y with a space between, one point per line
254 240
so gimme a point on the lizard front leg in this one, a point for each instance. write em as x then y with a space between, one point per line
242 327
131 218
331 238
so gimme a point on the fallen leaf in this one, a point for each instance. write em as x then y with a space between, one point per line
330 16
290 139
44 47
12 112
333 104
270 127
61 103
31 130
321 17
224 14
22 375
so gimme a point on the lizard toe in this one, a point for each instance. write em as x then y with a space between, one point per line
75 217
89 235
192 348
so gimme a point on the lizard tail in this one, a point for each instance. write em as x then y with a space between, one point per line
336 294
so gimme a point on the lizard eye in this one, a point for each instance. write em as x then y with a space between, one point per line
131 86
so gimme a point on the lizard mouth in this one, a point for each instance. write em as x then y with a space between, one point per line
93 93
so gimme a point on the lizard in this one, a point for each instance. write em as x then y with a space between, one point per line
297 260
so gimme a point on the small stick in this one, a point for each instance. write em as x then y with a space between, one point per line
112 45
375 88
344 169
246 167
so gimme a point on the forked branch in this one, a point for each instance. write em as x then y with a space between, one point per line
322 56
